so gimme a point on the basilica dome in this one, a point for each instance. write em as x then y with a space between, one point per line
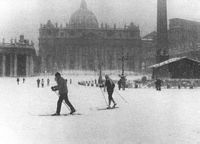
83 18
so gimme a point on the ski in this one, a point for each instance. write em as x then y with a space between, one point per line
111 108
68 114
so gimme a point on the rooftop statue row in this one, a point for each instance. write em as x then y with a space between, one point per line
21 42
50 25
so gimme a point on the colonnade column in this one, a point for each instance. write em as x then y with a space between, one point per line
3 65
11 65
15 65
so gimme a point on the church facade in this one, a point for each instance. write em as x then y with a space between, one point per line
83 44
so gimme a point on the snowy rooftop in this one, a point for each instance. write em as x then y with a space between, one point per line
171 61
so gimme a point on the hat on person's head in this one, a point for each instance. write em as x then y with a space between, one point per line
57 74
106 76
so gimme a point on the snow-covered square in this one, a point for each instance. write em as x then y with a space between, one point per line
171 116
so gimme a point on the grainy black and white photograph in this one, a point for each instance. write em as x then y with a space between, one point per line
100 71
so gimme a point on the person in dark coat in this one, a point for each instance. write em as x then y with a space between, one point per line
63 92
42 83
158 84
18 81
119 83
38 82
48 82
23 80
109 84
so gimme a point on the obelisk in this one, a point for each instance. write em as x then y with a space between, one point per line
162 52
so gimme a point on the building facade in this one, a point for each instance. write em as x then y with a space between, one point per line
83 44
17 58
184 38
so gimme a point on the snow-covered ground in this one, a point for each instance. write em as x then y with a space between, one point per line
150 117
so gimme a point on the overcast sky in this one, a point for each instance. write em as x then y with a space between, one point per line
24 16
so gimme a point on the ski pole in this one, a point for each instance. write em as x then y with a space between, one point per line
121 97
104 97
62 101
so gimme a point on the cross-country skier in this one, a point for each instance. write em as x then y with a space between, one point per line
109 84
63 92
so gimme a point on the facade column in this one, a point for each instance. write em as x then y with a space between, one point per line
114 59
86 57
27 65
80 58
43 65
67 59
15 65
11 65
3 65
76 58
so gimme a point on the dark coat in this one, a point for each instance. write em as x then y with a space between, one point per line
110 85
158 82
62 86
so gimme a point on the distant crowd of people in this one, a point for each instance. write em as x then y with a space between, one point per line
41 82
121 83
89 83
18 80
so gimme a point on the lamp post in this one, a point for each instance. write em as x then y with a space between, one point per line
122 76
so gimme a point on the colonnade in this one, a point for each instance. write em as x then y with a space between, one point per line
15 64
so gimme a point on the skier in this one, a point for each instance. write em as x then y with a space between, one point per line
18 81
42 83
63 92
38 82
48 82
109 84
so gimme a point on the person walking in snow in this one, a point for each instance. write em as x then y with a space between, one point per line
63 92
158 84
48 82
18 81
109 84
42 83
38 82
23 80
119 83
